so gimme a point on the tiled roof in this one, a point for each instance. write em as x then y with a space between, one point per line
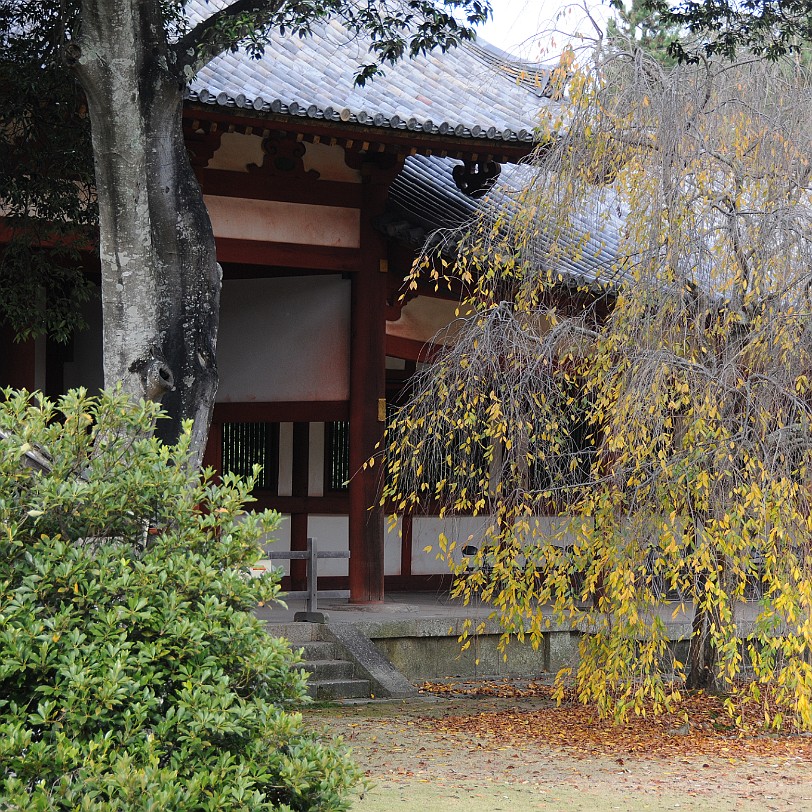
472 91
424 199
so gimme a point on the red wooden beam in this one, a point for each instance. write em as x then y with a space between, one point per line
288 411
337 504
410 349
393 583
256 187
291 255
406 544
238 270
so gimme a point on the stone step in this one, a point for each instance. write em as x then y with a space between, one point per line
331 674
339 689
296 633
321 670
319 650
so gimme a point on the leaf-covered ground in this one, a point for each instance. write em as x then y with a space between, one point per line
700 725
474 747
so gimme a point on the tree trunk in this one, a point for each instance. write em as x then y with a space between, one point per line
702 654
702 657
160 277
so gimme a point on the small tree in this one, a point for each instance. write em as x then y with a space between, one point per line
133 674
636 366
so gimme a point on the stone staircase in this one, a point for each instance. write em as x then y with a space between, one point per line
332 671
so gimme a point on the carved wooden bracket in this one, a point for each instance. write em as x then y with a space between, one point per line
474 178
368 162
201 145
397 299
283 157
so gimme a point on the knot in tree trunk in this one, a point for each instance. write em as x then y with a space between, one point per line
156 375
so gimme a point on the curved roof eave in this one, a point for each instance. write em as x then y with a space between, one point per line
471 92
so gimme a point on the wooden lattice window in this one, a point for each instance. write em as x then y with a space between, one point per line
249 444
336 456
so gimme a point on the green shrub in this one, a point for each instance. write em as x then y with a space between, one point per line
133 675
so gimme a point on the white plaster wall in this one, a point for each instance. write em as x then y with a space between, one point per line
429 319
466 530
426 532
277 221
329 162
280 540
425 319
236 151
284 339
552 528
331 533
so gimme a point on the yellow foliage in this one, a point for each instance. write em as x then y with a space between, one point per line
637 443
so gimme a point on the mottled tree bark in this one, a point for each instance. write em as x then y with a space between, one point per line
160 277
703 657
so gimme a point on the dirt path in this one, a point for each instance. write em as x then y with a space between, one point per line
432 754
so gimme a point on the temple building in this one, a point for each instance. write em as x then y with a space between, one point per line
321 192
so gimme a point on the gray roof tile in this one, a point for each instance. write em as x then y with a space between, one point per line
472 90
424 199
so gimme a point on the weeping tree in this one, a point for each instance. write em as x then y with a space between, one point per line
626 405
115 70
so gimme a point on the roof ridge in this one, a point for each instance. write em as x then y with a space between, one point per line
533 76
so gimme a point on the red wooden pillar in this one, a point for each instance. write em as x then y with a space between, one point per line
368 396
298 520
213 455
406 545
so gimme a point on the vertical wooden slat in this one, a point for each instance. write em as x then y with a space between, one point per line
337 456
243 445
